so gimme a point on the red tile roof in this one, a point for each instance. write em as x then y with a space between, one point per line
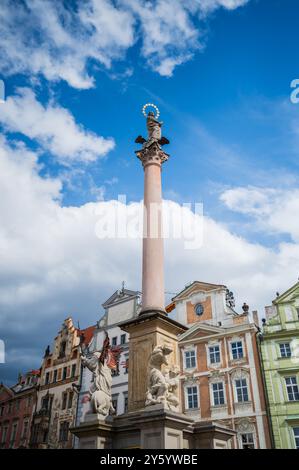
88 334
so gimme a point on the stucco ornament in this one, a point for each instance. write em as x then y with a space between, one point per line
162 387
100 364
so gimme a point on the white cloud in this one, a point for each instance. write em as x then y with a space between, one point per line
53 127
273 209
60 44
53 265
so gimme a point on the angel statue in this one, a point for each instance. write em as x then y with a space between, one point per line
100 364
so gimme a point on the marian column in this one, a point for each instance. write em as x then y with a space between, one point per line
153 335
152 156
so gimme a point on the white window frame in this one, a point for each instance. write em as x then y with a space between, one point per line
293 385
187 351
236 392
190 385
280 349
210 346
233 341
212 392
245 433
239 375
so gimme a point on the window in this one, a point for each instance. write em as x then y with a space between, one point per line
34 433
4 435
45 402
285 350
122 339
64 373
237 350
247 441
126 404
2 410
64 431
25 429
218 393
214 352
199 309
70 402
47 378
192 397
126 364
296 436
55 376
114 341
114 402
9 407
292 388
13 434
190 359
242 390
297 310
64 400
62 349
73 370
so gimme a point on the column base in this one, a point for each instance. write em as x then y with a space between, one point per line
152 309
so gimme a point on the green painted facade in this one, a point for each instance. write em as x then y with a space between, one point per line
280 361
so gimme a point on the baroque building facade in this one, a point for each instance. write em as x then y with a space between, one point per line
280 355
56 406
17 404
221 379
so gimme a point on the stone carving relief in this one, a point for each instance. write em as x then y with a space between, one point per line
239 374
245 426
162 388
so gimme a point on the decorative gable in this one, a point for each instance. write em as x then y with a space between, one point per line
197 287
200 330
122 295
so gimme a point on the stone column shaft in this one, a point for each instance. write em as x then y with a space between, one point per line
152 259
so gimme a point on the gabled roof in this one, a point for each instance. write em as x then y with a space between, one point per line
7 390
197 286
120 296
201 327
288 295
88 334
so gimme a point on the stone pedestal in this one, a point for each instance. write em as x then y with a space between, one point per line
151 428
95 432
146 332
211 436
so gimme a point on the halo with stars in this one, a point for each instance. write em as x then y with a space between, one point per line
152 105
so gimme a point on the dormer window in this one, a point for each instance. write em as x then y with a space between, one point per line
62 349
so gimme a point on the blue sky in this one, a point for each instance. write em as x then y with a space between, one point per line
234 146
